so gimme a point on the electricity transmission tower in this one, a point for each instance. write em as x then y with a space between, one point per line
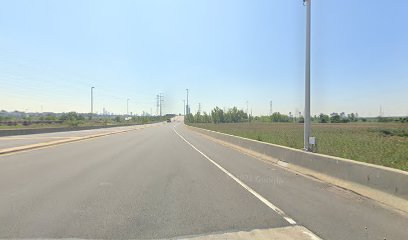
161 100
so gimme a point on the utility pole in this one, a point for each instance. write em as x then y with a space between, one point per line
187 107
157 105
127 107
247 110
199 108
92 88
270 108
307 128
184 104
161 100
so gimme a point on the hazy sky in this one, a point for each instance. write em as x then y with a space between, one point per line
226 52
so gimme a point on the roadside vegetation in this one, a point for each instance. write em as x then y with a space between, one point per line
381 141
18 120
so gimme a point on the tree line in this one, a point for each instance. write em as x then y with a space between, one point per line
217 115
233 115
75 119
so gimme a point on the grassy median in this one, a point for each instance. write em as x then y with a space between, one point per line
383 144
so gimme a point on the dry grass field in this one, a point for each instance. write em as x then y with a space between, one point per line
378 143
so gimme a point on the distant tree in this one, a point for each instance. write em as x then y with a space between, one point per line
335 118
50 117
71 116
145 120
117 119
217 115
352 117
189 118
384 119
234 115
27 118
323 118
198 118
265 118
278 117
206 118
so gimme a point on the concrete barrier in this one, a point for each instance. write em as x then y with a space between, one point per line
384 179
26 131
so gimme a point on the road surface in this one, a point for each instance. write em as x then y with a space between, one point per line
23 140
167 181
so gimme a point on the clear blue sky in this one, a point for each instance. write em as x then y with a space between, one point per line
226 52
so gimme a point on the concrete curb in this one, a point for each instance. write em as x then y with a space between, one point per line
68 140
384 184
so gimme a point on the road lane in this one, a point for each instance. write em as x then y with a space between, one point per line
142 184
241 183
152 184
328 211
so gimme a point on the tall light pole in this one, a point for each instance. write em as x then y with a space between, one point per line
247 110
187 108
307 129
184 102
92 88
127 106
157 105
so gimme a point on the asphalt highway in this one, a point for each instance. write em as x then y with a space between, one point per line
23 140
167 181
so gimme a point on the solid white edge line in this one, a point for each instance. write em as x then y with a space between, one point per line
249 189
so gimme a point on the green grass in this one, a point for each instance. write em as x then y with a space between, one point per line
383 144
